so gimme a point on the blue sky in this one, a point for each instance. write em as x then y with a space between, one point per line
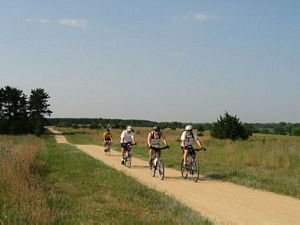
169 60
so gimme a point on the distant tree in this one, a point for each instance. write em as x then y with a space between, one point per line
229 127
265 131
199 127
13 114
38 110
280 129
296 131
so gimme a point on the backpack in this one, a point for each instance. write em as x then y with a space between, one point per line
152 135
192 136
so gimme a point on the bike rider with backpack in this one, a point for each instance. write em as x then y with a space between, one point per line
187 139
153 141
127 139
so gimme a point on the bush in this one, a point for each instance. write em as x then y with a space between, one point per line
296 131
230 127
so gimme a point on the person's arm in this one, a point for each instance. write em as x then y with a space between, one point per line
149 140
199 143
165 139
133 139
122 137
182 139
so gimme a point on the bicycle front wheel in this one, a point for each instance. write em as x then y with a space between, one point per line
195 171
184 171
161 169
128 162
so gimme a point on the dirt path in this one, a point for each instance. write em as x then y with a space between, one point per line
222 202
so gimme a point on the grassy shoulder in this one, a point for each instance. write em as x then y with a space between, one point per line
268 162
82 190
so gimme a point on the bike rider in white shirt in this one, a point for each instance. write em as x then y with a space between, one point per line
127 139
188 137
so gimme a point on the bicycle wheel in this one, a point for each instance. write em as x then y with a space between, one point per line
160 169
153 170
128 162
184 171
195 171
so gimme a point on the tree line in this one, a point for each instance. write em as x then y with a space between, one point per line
227 126
22 115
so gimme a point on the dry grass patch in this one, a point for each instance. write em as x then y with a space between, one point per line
22 201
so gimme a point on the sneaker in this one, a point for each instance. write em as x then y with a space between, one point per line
122 162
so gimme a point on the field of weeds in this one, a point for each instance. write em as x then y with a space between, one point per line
21 199
269 162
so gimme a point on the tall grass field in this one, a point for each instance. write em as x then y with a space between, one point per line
268 162
42 182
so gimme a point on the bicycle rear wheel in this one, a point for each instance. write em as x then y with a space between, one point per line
195 171
160 168
184 171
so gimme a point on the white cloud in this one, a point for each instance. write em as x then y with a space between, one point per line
28 20
199 17
73 23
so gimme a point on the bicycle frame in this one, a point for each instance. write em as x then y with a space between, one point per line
158 164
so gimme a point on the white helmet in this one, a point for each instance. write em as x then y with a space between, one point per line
129 128
188 127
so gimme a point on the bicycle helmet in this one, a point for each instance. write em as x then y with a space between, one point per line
156 128
188 127
129 128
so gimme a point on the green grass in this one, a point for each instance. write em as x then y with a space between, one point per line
63 185
268 162
82 190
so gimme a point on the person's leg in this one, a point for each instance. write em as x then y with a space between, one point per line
122 154
185 156
150 156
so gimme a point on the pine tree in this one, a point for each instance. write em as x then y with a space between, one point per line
38 110
13 105
229 127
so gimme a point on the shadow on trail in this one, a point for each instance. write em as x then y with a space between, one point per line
216 176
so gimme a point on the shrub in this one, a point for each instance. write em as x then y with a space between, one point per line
230 127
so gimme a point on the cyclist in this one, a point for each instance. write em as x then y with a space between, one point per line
153 141
187 139
127 139
107 137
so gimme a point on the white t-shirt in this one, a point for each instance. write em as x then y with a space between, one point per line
188 138
127 135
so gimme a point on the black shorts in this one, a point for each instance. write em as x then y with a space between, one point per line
155 149
190 149
125 145
107 139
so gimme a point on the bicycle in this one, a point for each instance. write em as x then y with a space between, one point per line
107 148
192 167
127 156
158 163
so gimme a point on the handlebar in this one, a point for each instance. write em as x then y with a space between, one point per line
160 148
200 149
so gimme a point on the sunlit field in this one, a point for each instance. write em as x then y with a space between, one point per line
22 200
269 162
42 182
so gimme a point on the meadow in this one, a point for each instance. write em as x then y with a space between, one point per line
42 182
268 162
